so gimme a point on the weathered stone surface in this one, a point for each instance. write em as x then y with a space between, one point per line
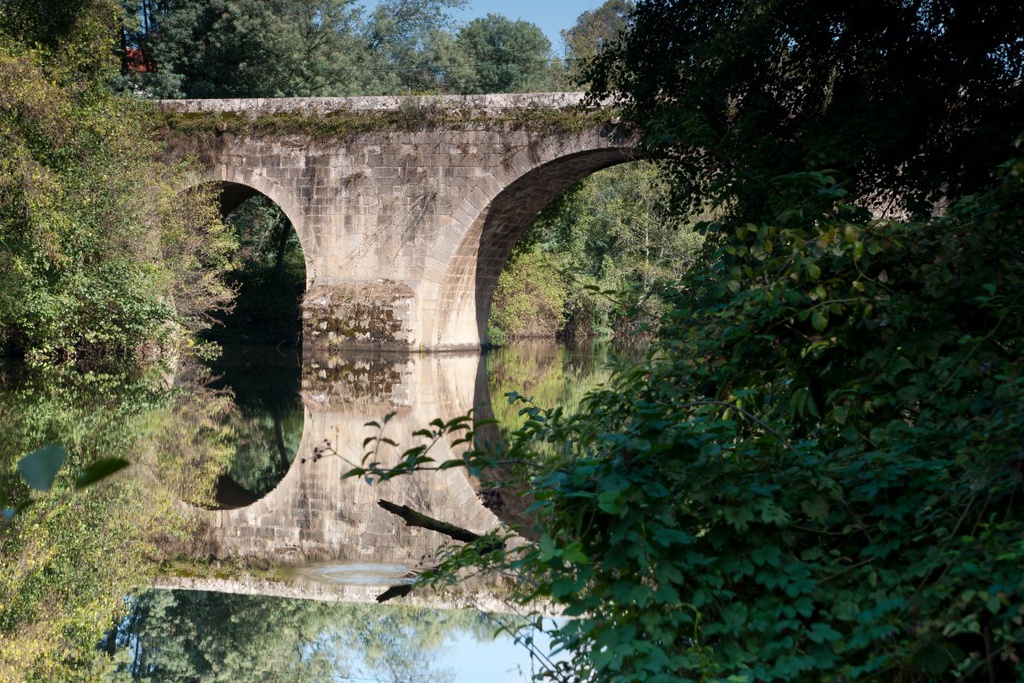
372 316
404 230
323 105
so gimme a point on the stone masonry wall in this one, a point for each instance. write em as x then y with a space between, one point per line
404 229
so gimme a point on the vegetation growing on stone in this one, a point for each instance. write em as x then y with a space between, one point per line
346 124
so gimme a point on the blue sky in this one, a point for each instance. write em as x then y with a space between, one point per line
551 15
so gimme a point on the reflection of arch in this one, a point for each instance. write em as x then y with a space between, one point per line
314 514
472 275
235 185
231 495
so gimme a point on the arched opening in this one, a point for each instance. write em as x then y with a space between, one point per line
269 273
465 296
595 262
259 362
604 230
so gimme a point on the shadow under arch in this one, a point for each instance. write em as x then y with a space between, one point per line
230 494
468 286
274 244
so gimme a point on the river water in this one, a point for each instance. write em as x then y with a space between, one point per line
277 576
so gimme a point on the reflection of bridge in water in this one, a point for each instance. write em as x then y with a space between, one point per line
314 515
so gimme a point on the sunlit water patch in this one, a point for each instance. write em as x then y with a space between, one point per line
356 574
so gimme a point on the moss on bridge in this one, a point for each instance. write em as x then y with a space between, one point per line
343 124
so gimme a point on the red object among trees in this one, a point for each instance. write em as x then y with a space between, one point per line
136 62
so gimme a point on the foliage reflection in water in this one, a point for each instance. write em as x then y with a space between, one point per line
66 561
69 559
267 422
549 374
203 636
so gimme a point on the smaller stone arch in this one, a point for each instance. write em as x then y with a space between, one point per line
235 185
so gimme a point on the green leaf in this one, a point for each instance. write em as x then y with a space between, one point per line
819 321
821 633
815 508
666 537
548 549
574 554
101 469
608 501
768 554
39 468
900 364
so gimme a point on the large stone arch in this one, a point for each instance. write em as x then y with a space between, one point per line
525 184
235 185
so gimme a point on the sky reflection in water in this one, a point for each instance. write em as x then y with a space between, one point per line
186 635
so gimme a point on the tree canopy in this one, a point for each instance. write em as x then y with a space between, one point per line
300 48
99 251
594 31
506 55
906 100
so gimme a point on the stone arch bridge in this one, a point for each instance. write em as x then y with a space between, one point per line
406 207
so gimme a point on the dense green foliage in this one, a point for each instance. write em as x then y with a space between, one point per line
295 48
268 277
905 99
99 254
529 300
843 507
504 56
595 262
816 474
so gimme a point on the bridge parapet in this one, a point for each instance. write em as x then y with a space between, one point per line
326 105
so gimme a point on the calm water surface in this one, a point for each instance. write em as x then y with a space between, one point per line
243 432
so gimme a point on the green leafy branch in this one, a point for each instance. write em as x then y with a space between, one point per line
39 471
